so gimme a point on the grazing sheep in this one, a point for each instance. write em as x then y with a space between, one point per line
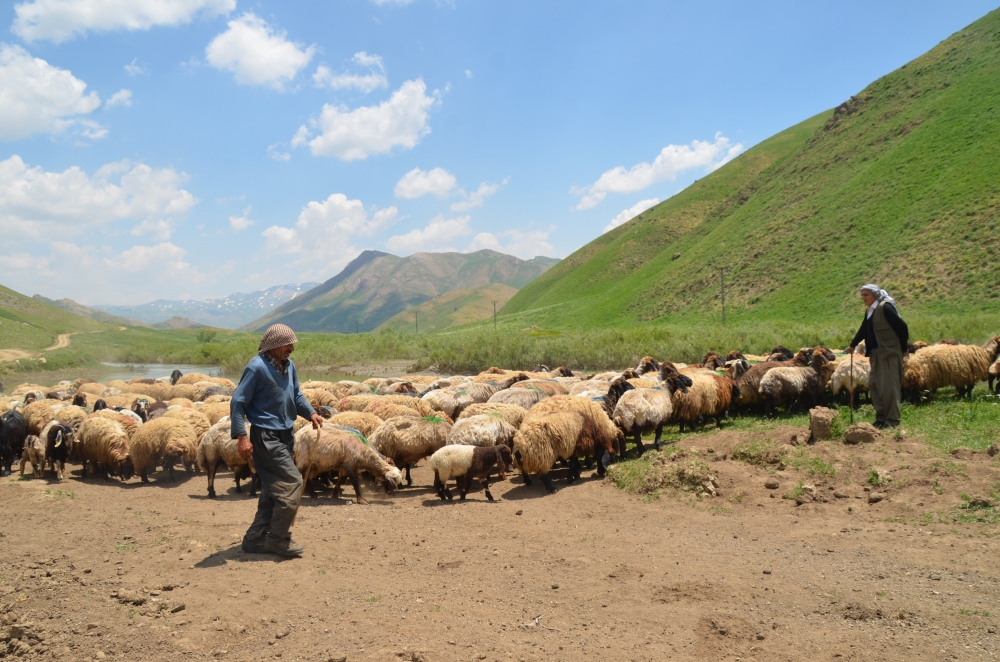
194 418
195 377
643 410
749 381
841 379
407 440
787 383
72 416
387 410
318 397
213 411
103 442
363 422
513 414
34 452
13 432
38 414
128 423
163 441
590 385
609 399
454 399
362 402
345 451
526 398
463 463
551 387
185 391
564 428
937 366
217 446
57 440
481 430
708 396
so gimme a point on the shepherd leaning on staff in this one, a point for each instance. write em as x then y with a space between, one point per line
886 336
270 399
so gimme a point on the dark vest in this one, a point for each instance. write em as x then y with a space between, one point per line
888 341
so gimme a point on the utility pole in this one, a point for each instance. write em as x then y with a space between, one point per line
722 282
416 320
357 327
494 315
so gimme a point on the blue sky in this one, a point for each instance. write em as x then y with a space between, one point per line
194 148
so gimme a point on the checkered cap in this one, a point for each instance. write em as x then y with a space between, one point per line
277 335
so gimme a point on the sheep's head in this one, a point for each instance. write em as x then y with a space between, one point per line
519 377
174 376
541 368
802 358
504 459
80 399
992 347
100 404
677 382
391 479
735 354
30 397
827 354
736 367
562 371
647 364
780 353
126 469
713 360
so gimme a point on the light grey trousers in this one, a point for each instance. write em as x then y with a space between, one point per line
886 385
281 483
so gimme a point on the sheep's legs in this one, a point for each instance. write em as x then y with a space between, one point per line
210 469
574 469
638 442
409 481
602 464
527 478
659 435
486 488
549 487
357 488
336 486
441 488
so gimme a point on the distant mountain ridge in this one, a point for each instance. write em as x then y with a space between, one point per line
375 286
451 309
86 311
228 312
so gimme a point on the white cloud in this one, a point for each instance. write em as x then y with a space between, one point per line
418 183
121 97
668 164
36 97
468 73
139 258
359 133
365 83
524 244
630 213
133 69
400 3
257 54
59 20
274 151
320 237
433 238
39 204
240 223
477 197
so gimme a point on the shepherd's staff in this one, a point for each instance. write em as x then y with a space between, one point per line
852 388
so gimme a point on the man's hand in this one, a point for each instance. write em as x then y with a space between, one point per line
317 421
850 350
244 447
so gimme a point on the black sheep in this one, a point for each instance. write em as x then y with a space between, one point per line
174 376
57 439
13 432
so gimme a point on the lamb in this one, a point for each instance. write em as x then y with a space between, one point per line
408 440
512 414
363 422
463 463
937 366
57 440
564 428
34 452
104 443
526 398
344 450
218 446
38 414
708 396
13 432
841 379
798 383
482 430
162 442
643 410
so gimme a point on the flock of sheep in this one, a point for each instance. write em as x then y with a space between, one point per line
469 426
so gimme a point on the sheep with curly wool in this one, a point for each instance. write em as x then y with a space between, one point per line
363 402
213 411
72 415
841 380
37 415
195 377
464 463
564 428
526 398
642 410
364 422
795 383
550 386
319 397
58 441
192 417
482 430
103 443
407 440
709 396
387 410
218 447
937 366
34 453
512 414
128 423
163 441
344 450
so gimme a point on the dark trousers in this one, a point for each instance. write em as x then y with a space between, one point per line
886 385
281 483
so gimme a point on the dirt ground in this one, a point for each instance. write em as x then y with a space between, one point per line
94 570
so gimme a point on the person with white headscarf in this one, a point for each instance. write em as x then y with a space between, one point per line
886 337
269 397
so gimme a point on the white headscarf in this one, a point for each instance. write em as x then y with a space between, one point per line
879 293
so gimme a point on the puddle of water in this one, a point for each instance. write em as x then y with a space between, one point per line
127 371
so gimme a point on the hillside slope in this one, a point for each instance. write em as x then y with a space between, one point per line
451 309
29 325
86 311
375 286
899 185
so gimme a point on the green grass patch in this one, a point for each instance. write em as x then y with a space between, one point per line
760 452
813 465
659 470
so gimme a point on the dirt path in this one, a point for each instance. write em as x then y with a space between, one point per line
155 571
62 340
13 354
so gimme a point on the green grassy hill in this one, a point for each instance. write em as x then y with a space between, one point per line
899 185
451 309
30 325
86 311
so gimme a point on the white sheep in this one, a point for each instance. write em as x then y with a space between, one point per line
841 379
217 446
343 450
643 410
464 463
482 430
407 440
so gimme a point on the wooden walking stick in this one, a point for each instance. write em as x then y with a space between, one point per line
852 388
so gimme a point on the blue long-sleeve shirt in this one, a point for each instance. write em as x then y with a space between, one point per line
267 398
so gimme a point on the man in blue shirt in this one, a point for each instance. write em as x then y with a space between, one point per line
270 399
